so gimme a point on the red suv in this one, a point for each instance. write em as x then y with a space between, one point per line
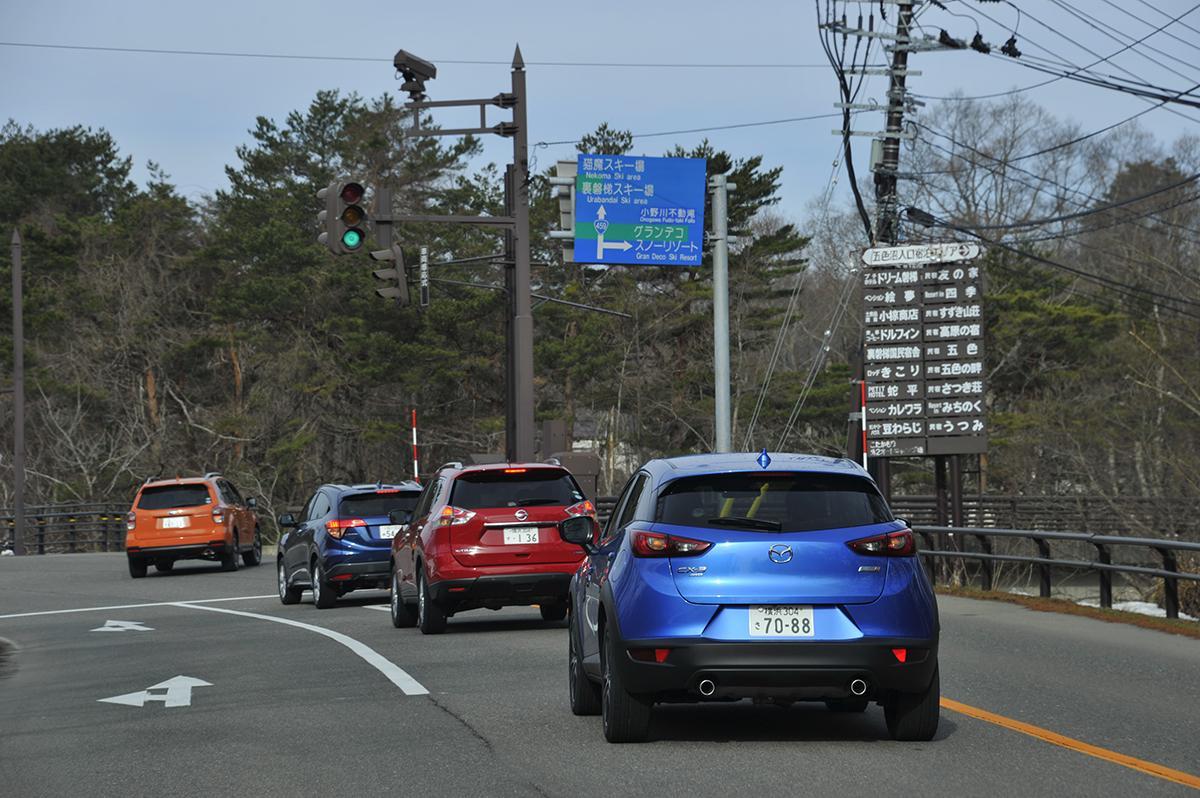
487 536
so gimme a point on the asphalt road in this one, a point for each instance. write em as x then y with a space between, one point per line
302 701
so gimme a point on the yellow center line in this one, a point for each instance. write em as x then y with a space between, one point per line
1045 735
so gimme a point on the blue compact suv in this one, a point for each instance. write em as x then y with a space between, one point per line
778 577
342 540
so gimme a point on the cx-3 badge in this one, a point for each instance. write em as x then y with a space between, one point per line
780 553
521 515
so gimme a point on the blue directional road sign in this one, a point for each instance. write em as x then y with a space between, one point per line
639 211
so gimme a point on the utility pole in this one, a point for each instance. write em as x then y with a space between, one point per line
18 400
720 236
887 212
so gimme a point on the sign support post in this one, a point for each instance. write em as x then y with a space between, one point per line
720 232
18 400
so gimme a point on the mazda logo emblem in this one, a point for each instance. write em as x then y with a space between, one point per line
521 515
780 553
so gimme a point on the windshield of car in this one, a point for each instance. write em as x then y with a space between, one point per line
375 504
515 488
166 497
773 502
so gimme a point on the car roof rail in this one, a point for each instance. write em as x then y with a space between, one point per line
452 464
553 461
212 474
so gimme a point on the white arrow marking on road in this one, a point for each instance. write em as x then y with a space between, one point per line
178 693
123 626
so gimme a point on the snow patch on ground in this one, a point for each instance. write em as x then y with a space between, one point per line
1140 607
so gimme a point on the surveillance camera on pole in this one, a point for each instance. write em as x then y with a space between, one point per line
415 72
395 280
343 222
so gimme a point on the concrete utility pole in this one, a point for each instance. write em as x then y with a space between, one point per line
522 304
887 211
18 400
720 236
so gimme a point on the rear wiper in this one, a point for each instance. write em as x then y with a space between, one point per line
530 502
753 523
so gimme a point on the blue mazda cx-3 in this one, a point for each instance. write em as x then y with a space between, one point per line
779 577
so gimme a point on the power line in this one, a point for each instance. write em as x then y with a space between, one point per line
709 129
362 59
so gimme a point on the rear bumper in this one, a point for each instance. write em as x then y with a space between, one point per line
780 670
190 551
500 590
361 572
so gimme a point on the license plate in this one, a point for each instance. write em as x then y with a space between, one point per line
781 621
174 523
388 531
521 535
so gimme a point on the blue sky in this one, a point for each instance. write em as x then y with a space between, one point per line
189 113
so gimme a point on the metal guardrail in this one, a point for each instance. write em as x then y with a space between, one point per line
1104 544
68 528
1147 515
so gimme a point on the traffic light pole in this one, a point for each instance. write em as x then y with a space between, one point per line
18 400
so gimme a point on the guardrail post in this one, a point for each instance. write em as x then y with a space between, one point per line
1170 583
986 566
1105 576
41 535
1043 547
106 530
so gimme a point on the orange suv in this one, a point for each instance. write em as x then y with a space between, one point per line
197 518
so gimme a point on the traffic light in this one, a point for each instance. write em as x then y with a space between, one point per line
343 222
395 281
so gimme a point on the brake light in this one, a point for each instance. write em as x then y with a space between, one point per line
130 521
585 507
339 526
218 515
654 544
453 516
383 491
891 544
515 470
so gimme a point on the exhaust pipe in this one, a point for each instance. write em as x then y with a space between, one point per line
858 687
708 687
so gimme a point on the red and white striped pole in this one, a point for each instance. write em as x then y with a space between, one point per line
863 385
416 472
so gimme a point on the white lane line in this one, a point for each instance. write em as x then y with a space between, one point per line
131 606
394 673
380 607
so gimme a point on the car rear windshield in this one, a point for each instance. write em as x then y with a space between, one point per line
369 504
515 488
166 497
772 502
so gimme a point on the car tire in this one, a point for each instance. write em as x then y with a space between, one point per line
584 693
253 557
137 567
431 616
554 612
287 593
324 594
626 717
229 560
164 566
847 705
914 716
403 614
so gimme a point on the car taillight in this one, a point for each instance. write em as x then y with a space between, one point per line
453 516
130 521
218 515
891 544
338 526
585 507
654 544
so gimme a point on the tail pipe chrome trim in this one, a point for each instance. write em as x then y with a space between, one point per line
707 687
858 687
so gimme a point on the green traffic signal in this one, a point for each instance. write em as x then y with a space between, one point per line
352 239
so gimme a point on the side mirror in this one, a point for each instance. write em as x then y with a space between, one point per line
579 530
400 516
252 502
287 520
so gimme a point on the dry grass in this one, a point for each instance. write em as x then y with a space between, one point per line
1169 625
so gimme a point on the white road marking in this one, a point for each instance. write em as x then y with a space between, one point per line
123 626
393 672
131 606
178 693
381 607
